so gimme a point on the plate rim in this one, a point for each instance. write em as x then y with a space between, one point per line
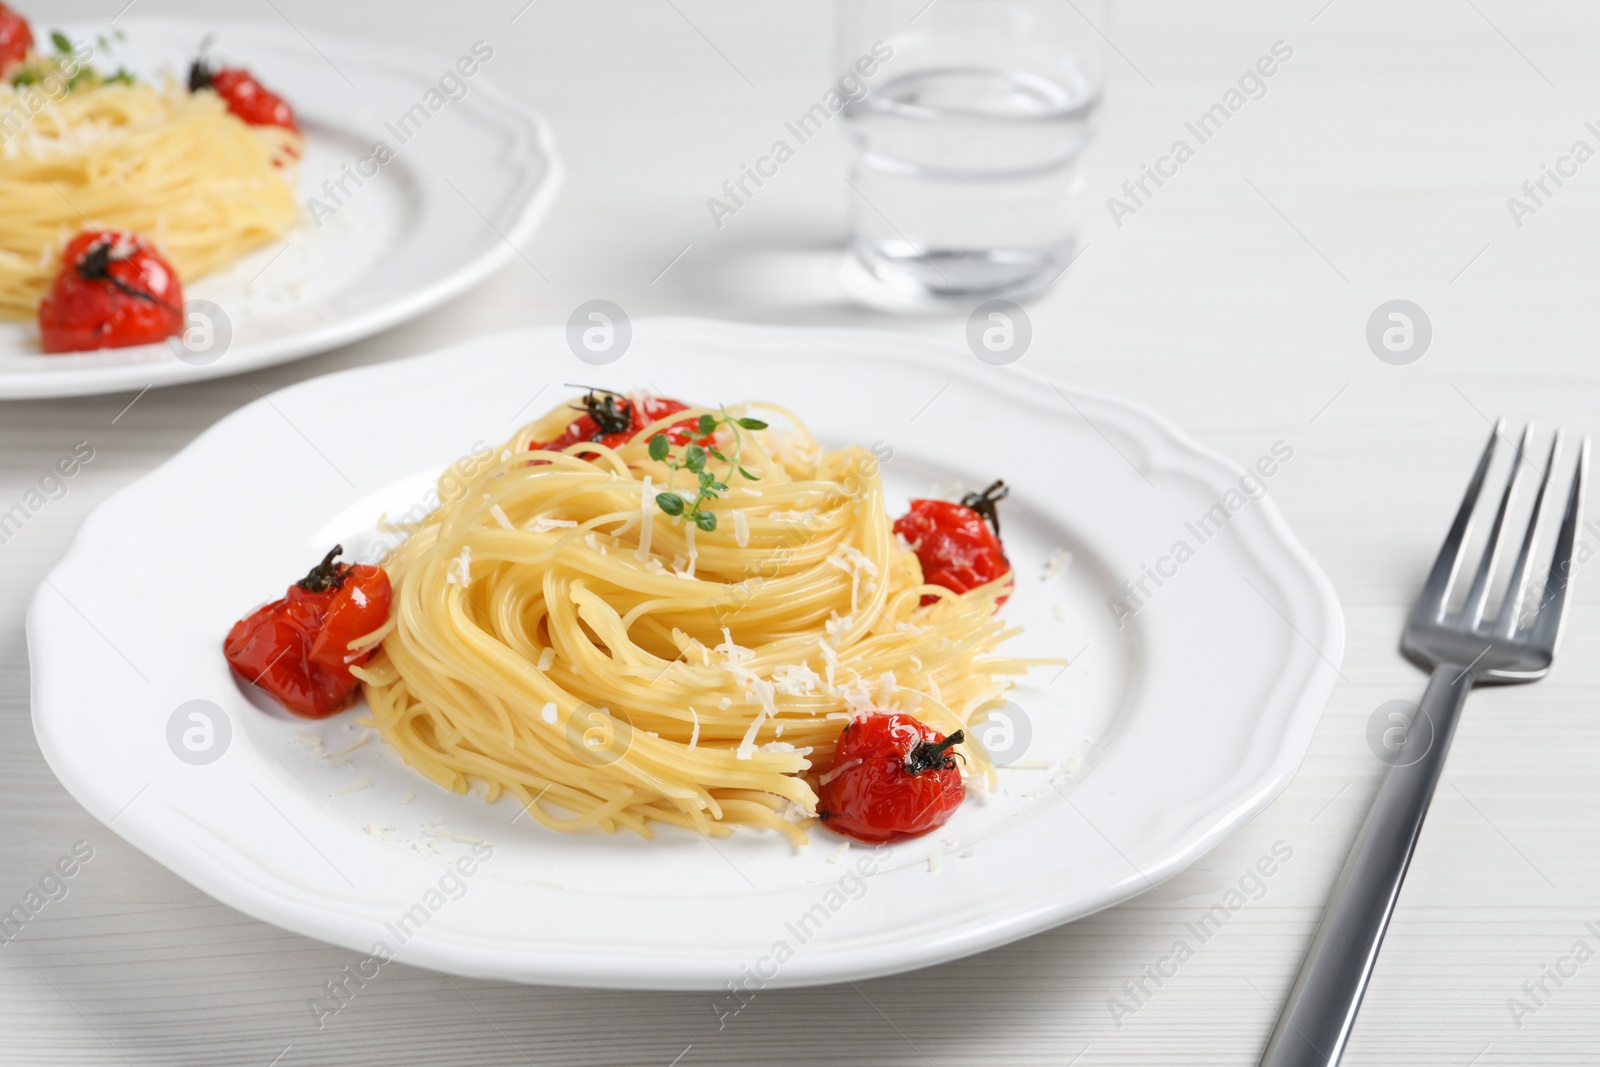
640 970
536 203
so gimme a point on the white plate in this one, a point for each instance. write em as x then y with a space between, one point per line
470 184
1188 719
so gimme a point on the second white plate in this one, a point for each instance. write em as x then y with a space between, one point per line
468 181
1173 726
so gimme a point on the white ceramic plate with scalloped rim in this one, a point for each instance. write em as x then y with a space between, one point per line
1182 723
463 189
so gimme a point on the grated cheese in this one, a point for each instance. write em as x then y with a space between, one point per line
548 712
546 658
830 661
853 562
741 528
331 757
764 693
857 696
501 517
796 679
1055 564
734 658
747 744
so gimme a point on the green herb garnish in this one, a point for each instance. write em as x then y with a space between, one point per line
693 460
40 67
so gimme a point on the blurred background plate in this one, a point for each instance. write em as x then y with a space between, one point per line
468 180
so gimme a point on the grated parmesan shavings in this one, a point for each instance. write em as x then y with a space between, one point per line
1055 564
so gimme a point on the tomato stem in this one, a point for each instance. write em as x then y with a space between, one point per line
96 267
984 503
326 575
200 69
610 411
933 755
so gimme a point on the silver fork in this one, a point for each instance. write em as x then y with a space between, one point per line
1462 648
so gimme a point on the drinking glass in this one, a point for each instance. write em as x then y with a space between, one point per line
965 145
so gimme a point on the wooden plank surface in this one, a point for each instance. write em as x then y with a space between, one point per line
1377 166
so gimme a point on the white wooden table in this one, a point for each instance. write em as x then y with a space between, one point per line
1234 300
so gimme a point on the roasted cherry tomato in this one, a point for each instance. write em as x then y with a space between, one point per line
298 648
892 777
15 40
954 542
114 290
245 96
613 420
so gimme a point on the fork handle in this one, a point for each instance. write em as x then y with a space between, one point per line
1315 1022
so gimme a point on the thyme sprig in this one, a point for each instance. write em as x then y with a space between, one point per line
693 459
42 65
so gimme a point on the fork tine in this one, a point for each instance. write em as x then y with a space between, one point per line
1436 590
1547 626
1478 595
1510 608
